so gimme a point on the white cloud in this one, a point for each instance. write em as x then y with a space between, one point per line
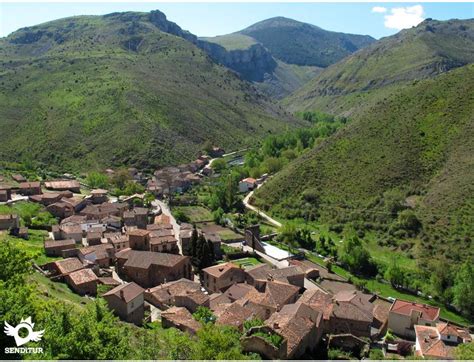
403 18
379 9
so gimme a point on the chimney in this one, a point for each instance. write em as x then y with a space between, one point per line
121 294
276 325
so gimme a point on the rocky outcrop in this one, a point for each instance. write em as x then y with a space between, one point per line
251 63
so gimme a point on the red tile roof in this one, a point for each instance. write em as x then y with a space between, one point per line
220 269
83 276
431 346
404 307
126 292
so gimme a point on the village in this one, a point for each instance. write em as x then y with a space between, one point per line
139 259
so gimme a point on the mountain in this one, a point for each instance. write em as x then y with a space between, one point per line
121 89
281 54
294 42
409 149
402 168
431 48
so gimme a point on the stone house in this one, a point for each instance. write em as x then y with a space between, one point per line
94 236
185 240
191 301
180 318
83 282
219 277
118 240
30 188
163 296
65 266
238 291
99 212
164 244
352 312
137 217
139 239
63 185
247 184
273 298
9 221
71 231
309 269
440 341
56 247
5 193
98 196
404 315
237 313
259 275
149 269
47 198
101 255
18 178
61 209
300 325
127 301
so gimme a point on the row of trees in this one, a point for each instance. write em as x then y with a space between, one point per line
200 250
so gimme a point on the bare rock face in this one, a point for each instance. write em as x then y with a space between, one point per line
252 63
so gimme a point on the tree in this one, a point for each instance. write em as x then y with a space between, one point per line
356 257
254 322
465 351
97 180
120 178
217 342
218 216
463 289
204 315
219 165
193 242
181 216
394 274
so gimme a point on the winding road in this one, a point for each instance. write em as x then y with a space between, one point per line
258 211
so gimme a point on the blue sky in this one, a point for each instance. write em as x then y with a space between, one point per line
209 19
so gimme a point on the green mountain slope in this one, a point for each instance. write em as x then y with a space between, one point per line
411 148
121 89
299 43
281 55
422 52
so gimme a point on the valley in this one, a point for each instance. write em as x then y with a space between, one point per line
278 192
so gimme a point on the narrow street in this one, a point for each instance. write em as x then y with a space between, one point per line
165 210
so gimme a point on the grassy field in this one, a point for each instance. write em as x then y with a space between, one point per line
195 213
225 233
33 246
232 41
246 262
60 291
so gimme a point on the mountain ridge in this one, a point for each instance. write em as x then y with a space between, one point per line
421 52
73 90
308 50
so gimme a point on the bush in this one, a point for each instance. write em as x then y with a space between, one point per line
181 216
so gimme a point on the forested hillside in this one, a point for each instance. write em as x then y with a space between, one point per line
121 89
402 168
